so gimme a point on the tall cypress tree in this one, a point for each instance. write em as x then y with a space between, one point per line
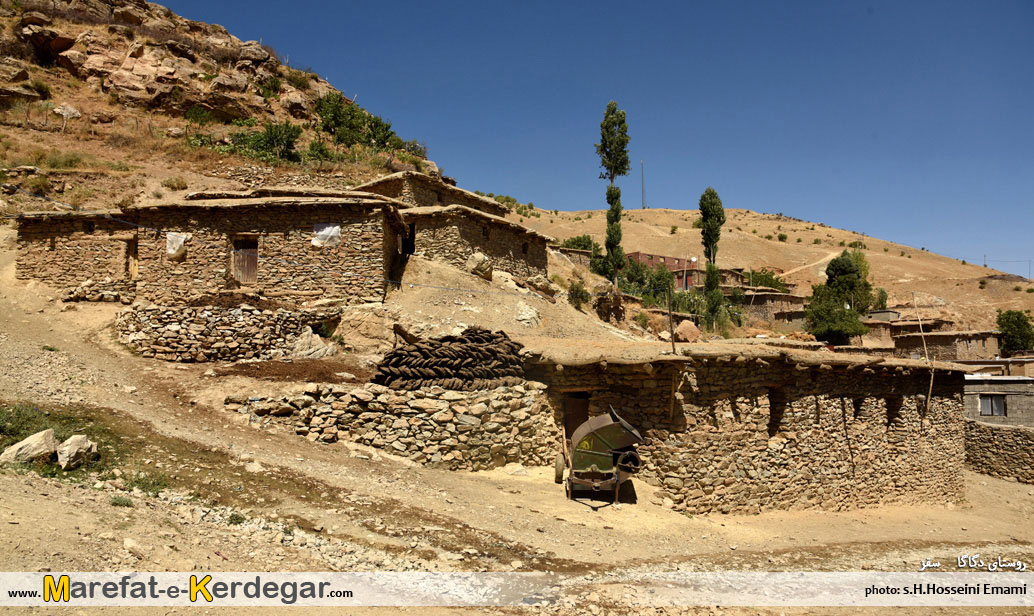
613 152
712 217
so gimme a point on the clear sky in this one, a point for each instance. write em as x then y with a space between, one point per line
907 121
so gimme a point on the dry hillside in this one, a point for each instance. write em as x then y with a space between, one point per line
125 76
943 286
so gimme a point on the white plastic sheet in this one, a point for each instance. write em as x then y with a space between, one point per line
175 245
326 234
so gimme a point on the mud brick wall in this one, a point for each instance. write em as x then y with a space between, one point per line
288 264
211 333
947 348
452 239
743 436
66 252
474 430
1000 451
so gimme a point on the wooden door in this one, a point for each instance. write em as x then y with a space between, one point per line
132 260
245 260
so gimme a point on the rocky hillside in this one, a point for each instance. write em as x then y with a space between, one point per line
107 102
145 56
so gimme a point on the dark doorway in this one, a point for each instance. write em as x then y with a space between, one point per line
576 411
409 242
245 260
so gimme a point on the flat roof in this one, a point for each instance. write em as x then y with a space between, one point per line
952 334
576 352
499 208
469 212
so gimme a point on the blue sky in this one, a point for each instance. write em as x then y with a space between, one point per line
907 121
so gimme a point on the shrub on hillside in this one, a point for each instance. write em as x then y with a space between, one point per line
577 294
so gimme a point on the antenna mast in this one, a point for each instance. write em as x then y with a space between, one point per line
642 180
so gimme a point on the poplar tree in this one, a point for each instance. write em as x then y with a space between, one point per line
613 152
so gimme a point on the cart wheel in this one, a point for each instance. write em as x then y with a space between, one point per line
558 468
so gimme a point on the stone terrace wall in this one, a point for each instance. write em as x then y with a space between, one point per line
748 435
288 264
68 251
452 239
578 257
457 430
213 333
1000 451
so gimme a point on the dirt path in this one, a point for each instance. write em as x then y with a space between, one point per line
812 264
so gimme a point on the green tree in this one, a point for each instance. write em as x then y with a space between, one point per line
881 299
829 318
585 242
834 313
716 316
198 118
712 217
278 139
613 152
1017 330
766 278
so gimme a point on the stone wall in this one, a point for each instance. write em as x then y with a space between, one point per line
210 333
1000 451
744 435
576 256
457 430
452 239
67 251
288 264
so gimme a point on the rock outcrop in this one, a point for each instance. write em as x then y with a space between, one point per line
145 55
39 446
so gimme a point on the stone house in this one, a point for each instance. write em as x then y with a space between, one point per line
414 189
948 345
1000 399
883 331
773 306
450 234
741 431
296 247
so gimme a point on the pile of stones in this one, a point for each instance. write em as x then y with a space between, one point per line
476 359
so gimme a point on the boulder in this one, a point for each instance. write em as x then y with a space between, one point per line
128 15
33 18
11 70
41 445
311 346
252 51
67 111
687 332
75 451
296 104
71 60
10 94
527 314
480 265
542 284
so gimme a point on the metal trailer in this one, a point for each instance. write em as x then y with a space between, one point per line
600 454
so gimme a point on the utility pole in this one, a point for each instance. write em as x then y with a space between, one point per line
642 180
